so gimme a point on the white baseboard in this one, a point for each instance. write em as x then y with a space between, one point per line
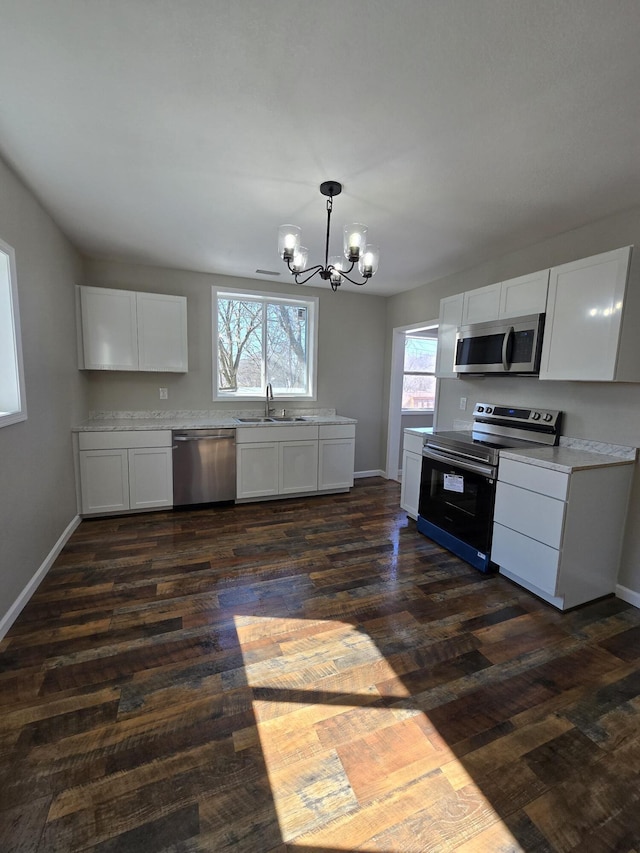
358 475
16 608
628 595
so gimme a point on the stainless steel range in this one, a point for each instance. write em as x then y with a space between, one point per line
459 472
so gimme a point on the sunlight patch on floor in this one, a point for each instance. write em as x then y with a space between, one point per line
346 770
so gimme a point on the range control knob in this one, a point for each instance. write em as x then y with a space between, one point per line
548 417
536 416
489 410
480 408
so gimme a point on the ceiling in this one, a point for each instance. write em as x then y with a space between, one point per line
182 133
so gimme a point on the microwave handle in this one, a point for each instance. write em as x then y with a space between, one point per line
508 335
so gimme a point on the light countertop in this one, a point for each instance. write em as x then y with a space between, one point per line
419 430
197 420
565 459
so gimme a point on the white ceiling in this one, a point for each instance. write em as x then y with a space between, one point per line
182 133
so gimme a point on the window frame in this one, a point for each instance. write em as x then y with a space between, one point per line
311 303
15 332
407 336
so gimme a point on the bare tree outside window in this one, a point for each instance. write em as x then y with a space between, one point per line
419 381
262 340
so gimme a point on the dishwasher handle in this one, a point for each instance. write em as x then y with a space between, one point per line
203 438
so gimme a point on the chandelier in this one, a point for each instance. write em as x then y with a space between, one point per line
356 250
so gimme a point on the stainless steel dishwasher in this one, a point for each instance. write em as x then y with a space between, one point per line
204 466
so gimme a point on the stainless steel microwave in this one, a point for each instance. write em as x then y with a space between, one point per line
500 346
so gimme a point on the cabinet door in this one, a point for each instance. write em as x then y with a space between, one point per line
104 480
526 559
410 488
524 295
584 313
298 466
257 469
482 304
150 477
536 516
109 329
450 319
335 463
162 332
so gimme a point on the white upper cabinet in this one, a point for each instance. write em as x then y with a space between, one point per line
450 319
481 305
125 330
162 332
592 320
109 328
524 295
516 297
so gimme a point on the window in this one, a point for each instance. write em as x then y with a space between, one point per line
13 407
260 338
418 380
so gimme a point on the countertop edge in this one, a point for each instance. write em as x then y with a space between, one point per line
564 459
135 424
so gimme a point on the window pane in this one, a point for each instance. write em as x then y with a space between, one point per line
239 346
420 354
287 348
418 392
263 338
12 399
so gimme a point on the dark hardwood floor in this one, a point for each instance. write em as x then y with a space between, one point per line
310 675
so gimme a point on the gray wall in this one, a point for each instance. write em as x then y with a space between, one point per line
37 486
350 351
607 412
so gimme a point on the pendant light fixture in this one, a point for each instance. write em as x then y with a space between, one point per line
356 249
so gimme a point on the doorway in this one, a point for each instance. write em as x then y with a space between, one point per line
397 416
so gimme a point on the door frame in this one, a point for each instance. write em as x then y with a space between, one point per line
394 432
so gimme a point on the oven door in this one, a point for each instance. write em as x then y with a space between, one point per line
457 497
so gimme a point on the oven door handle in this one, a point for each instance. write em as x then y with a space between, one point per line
483 470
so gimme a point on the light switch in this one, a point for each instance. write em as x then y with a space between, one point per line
463 403
164 393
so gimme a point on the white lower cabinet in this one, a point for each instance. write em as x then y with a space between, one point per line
150 477
297 467
298 459
256 467
336 452
122 471
559 534
411 473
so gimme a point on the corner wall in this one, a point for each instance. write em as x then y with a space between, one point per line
351 330
37 485
608 412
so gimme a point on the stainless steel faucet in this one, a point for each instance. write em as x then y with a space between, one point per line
267 410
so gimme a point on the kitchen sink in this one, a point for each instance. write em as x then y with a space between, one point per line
272 420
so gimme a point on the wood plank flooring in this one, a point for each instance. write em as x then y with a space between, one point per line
310 675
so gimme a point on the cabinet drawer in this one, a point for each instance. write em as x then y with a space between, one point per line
337 431
537 516
259 434
535 478
530 560
118 439
412 443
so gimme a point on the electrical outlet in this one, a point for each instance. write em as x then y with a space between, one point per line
164 393
463 403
